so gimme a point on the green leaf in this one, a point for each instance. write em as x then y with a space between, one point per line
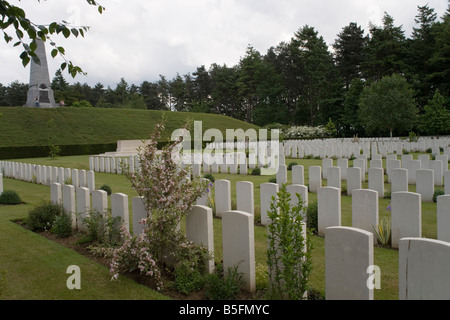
24 55
25 61
74 32
66 32
7 38
52 27
54 53
36 59
31 33
63 65
33 45
61 50
19 33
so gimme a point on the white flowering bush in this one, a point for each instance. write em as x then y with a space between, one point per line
302 132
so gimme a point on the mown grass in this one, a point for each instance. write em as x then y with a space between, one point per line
36 267
29 126
24 281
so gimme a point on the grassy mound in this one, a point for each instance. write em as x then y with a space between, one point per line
73 126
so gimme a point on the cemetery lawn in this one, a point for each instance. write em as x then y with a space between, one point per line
75 126
36 267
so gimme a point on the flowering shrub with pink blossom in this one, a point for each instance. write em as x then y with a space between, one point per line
168 194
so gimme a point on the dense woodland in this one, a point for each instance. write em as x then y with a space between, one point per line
304 82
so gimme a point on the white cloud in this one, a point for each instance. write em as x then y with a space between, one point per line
139 40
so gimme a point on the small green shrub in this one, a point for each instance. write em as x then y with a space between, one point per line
273 180
62 226
187 279
383 231
219 286
106 188
10 197
209 176
103 229
261 276
312 217
291 164
287 245
437 193
256 172
42 216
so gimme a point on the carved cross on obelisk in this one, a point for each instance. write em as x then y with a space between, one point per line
40 93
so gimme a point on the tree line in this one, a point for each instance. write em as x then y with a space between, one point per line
304 82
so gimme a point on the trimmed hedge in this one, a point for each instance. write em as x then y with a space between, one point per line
66 150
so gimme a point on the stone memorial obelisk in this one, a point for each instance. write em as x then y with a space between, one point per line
40 93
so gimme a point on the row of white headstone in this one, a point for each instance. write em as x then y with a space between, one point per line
233 163
237 226
328 148
350 273
47 175
348 250
399 178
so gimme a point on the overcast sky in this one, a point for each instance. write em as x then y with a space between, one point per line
142 39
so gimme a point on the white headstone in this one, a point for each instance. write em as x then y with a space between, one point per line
82 178
399 180
423 269
436 166
329 208
302 191
267 191
139 213
56 193
447 182
326 163
315 178
365 209
443 217
376 180
83 206
90 176
69 203
343 164
334 177
222 189
199 229
245 197
119 208
406 216
100 201
239 245
353 179
298 174
360 163
412 166
425 184
281 174
348 255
